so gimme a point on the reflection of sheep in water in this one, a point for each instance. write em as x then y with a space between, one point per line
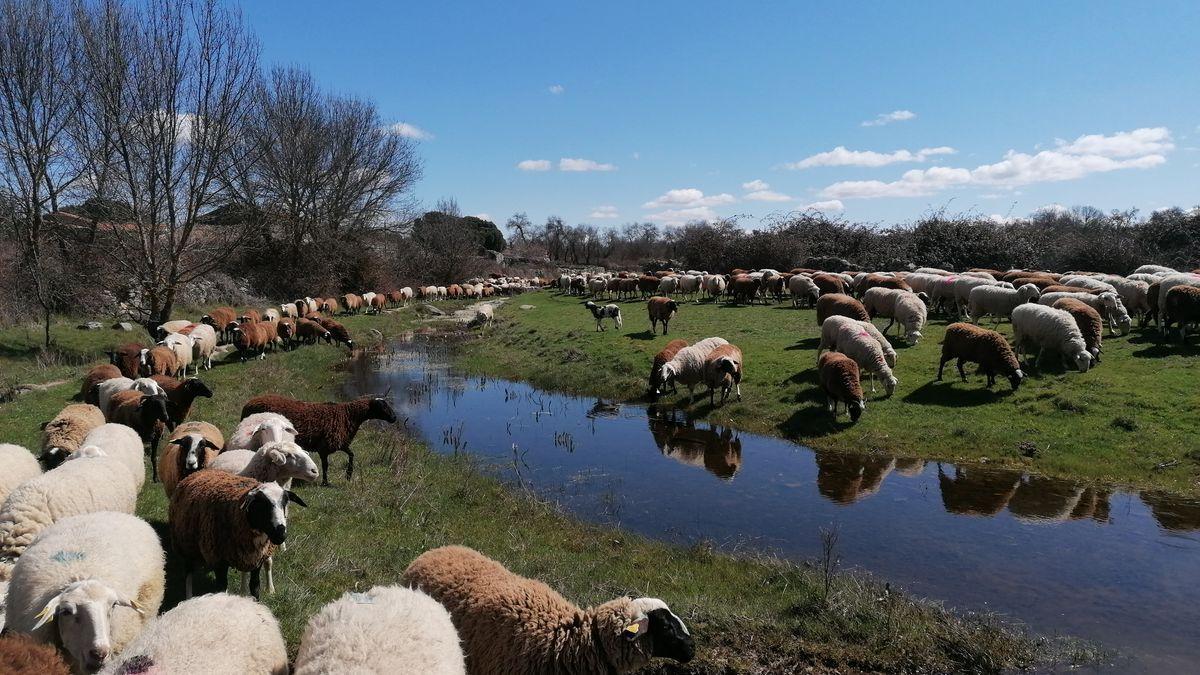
977 492
1173 513
1040 499
845 478
910 466
716 449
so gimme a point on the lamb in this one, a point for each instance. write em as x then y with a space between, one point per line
220 520
159 360
606 312
120 443
1107 304
258 429
1183 307
324 428
204 344
968 342
687 366
1089 322
219 318
511 625
661 359
661 309
89 583
20 655
98 374
217 633
388 629
855 339
336 331
714 286
839 379
147 415
801 287
127 358
17 465
723 368
181 395
107 389
192 446
998 301
840 304
85 485
65 433
1048 329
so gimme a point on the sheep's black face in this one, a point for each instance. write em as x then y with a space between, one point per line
266 516
382 410
856 410
52 457
198 388
1015 379
669 639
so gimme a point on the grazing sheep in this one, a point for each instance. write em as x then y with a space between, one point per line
968 342
120 443
689 284
330 305
829 283
127 358
661 359
1090 283
511 625
840 304
98 374
159 360
601 313
217 633
147 415
661 309
192 446
89 583
714 286
204 344
181 395
855 339
801 287
220 520
1091 325
1108 304
1183 307
880 281
219 318
998 301
21 655
1048 329
1059 288
889 354
85 485
388 629
687 366
378 301
879 300
255 431
963 286
744 288
723 368
839 379
324 428
65 433
1165 286
17 465
107 389
310 332
252 340
910 313
336 331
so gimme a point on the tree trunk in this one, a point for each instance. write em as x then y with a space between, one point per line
46 318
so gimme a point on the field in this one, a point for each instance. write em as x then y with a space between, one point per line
749 615
1129 420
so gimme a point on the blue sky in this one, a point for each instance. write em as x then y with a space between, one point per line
675 110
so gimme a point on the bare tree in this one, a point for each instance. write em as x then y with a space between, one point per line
521 225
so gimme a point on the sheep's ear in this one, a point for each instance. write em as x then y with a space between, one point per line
276 457
636 629
123 601
292 496
44 425
209 444
47 614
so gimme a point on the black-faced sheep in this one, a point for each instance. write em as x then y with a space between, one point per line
511 625
336 332
127 358
601 313
65 433
181 395
147 415
661 309
968 342
324 428
839 377
192 446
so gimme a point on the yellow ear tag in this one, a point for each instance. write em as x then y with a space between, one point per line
633 630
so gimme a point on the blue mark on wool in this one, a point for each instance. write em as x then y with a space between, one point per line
68 556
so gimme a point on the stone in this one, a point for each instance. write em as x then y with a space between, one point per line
91 325
124 325
527 306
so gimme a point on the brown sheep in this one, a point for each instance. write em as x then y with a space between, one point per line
968 342
251 339
880 281
840 304
377 302
219 318
1152 299
352 302
1056 288
996 274
1182 306
395 297
661 359
829 283
181 395
309 331
723 368
65 433
840 381
661 309
335 331
147 415
191 447
647 284
95 376
250 316
287 332
454 291
127 357
1042 283
324 428
160 360
1089 321
744 288
21 655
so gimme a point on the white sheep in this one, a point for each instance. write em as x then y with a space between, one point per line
800 287
85 485
932 270
687 367
668 285
889 354
89 583
910 313
289 310
388 629
1090 283
689 285
714 285
181 346
120 443
1134 293
963 285
216 633
106 389
269 314
1044 328
17 465
856 339
922 282
998 301
1108 304
259 429
1154 269
204 344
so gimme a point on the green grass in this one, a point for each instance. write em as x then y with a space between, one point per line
1116 423
748 614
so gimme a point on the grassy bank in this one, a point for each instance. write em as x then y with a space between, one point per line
1130 420
749 615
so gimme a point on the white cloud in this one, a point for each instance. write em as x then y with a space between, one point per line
840 156
1138 149
767 196
887 118
676 217
1056 209
756 185
999 219
573 164
688 198
826 206
557 89
410 131
482 216
534 165
604 212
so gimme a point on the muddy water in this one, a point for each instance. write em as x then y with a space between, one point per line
1113 566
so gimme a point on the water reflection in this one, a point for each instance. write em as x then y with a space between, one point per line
716 449
1175 514
977 492
845 478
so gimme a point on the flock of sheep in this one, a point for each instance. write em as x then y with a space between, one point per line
82 579
1050 313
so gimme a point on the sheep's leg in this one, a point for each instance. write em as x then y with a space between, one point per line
187 584
222 574
324 469
941 367
664 327
739 390
154 461
268 563
888 327
350 463
256 583
961 374
245 583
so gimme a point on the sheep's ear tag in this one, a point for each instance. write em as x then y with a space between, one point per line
635 629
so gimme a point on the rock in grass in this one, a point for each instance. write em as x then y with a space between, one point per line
123 325
90 325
